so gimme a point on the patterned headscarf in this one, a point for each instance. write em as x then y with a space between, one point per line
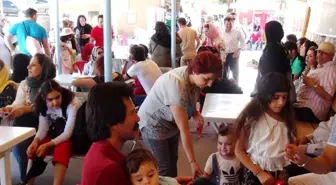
94 54
211 33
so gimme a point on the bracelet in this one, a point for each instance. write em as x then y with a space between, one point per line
304 164
192 161
258 171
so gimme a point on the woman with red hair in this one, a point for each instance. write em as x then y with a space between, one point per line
169 105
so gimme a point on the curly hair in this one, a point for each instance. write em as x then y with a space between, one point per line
105 108
46 88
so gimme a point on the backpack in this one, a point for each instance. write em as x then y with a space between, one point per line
81 142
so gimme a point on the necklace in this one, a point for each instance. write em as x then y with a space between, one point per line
271 136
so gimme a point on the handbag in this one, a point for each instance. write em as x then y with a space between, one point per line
33 46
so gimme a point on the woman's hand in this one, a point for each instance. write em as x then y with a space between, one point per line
43 149
265 178
85 36
198 119
17 112
5 111
196 170
32 148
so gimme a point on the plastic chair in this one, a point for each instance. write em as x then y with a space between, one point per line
79 65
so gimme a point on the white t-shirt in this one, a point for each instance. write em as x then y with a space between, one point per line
229 169
147 73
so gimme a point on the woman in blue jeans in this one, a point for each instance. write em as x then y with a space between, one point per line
40 69
165 113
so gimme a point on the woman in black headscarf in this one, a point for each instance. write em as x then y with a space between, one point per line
275 57
82 31
40 69
20 64
160 45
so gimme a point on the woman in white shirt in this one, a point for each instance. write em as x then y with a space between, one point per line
57 108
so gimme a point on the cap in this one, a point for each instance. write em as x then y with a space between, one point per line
66 31
327 47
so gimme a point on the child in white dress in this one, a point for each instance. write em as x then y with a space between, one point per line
264 127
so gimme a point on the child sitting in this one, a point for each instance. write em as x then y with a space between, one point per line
141 167
264 127
223 167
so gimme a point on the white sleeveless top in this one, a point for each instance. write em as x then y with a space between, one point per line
266 147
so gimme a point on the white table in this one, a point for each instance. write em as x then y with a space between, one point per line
223 108
66 79
9 137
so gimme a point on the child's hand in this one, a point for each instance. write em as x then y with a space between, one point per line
184 180
43 149
265 178
32 148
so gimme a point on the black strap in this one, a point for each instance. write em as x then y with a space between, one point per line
215 170
25 28
154 48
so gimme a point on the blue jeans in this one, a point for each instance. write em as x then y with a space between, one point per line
165 153
139 99
20 154
20 150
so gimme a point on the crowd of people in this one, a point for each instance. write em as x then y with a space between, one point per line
296 82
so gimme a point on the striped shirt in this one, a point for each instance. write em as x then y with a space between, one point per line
325 75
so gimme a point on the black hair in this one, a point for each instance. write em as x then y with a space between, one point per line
302 40
267 86
182 21
20 64
30 12
137 53
291 45
105 108
233 13
226 131
291 38
78 21
100 16
146 49
2 64
228 19
136 158
46 88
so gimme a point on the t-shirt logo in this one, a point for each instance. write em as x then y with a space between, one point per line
232 177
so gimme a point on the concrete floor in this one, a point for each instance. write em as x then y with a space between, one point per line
203 146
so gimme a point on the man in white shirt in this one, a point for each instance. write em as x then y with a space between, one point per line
189 37
145 70
236 25
234 42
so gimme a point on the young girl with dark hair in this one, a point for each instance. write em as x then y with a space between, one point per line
264 127
57 108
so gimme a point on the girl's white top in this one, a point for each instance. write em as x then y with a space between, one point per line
266 147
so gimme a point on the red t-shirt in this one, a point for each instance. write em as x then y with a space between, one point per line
98 34
103 166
